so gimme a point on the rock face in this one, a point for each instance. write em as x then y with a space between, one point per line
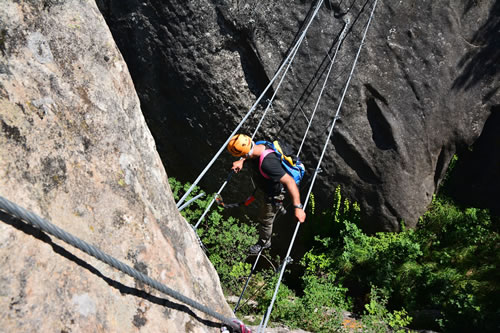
425 84
75 149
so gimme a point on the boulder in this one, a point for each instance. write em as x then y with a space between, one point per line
425 83
75 149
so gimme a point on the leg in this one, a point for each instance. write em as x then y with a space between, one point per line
267 216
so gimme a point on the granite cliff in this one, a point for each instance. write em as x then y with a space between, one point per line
426 84
75 149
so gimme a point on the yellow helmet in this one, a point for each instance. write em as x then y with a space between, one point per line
239 145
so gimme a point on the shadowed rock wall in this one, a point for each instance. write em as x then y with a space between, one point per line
425 84
75 149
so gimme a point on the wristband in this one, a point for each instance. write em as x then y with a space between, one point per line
299 206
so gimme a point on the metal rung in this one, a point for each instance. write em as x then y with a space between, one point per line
328 55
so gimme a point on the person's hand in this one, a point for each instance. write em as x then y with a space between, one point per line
300 215
237 166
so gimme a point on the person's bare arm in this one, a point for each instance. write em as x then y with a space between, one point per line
293 190
238 165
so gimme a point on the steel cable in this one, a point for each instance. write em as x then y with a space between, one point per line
265 319
44 225
254 106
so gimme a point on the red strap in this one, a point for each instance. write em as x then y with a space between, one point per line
249 200
262 156
243 328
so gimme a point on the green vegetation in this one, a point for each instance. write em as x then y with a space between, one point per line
226 240
449 264
448 267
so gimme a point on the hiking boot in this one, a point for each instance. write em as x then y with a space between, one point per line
254 249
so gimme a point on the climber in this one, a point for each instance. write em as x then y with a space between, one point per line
242 146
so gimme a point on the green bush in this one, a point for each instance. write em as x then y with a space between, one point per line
347 256
323 304
378 319
227 242
225 239
449 263
285 307
318 310
459 267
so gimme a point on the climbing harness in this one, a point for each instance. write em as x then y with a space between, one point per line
44 225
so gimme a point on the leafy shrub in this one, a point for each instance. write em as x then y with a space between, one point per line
226 239
378 319
459 267
227 243
285 307
318 310
323 303
450 264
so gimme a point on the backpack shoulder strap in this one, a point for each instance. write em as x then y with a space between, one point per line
261 159
264 142
283 156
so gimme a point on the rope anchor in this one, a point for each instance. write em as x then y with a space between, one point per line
285 262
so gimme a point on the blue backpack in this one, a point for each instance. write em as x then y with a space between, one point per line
292 165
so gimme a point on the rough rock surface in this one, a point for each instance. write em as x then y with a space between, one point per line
75 149
426 82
